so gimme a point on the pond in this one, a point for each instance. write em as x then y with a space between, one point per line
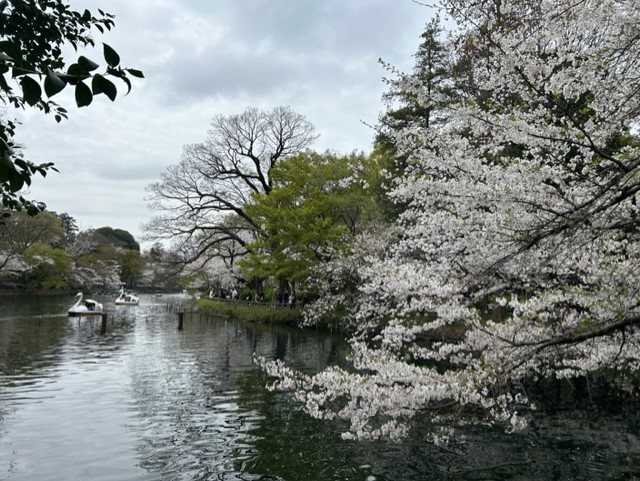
148 402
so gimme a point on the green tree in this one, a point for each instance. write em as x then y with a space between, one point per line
104 253
33 34
131 267
119 237
156 252
50 266
317 203
433 70
414 101
21 231
69 227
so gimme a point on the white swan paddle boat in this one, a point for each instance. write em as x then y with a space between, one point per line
125 299
85 307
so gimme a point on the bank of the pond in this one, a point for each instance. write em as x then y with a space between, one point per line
292 315
247 311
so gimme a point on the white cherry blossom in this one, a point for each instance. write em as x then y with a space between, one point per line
526 195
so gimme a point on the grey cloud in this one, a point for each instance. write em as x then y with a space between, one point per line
281 45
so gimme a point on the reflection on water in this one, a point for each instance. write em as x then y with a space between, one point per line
148 402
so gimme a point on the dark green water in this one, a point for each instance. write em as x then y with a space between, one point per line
148 402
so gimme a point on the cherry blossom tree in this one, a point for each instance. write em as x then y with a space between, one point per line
95 261
525 195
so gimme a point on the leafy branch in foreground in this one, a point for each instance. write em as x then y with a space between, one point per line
33 70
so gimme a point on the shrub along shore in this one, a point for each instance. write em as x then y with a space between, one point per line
249 311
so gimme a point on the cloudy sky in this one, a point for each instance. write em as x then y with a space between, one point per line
207 57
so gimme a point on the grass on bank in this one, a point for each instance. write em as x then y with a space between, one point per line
250 312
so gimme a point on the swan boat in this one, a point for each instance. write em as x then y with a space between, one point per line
125 299
85 307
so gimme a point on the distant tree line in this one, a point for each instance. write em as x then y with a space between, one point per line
48 252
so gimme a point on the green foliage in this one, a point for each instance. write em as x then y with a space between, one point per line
186 281
248 312
33 34
317 202
118 237
267 294
131 267
247 294
433 70
50 266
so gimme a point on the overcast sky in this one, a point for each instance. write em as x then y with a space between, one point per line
207 57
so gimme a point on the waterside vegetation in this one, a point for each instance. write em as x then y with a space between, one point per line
251 311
